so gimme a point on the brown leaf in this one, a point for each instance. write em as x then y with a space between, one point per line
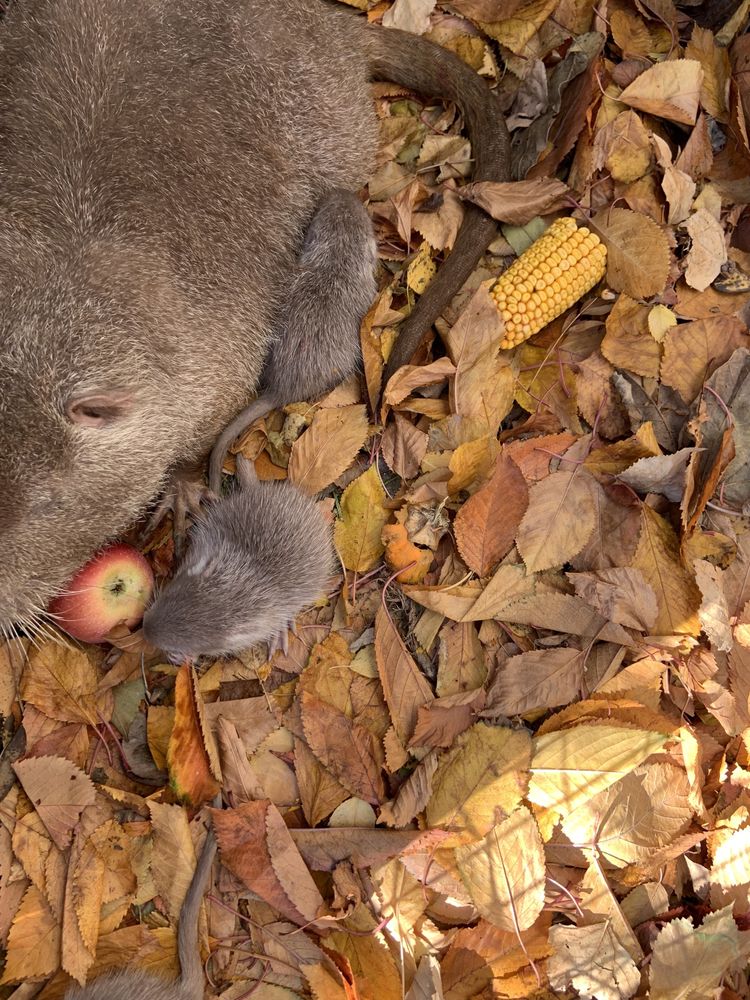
693 351
461 665
404 685
188 759
714 60
486 525
543 678
442 720
34 941
173 859
351 753
323 850
412 796
658 558
637 251
319 791
628 342
63 683
411 377
327 447
517 202
668 90
404 446
559 520
59 792
620 594
256 846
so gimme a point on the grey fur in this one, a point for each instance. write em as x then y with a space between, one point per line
130 984
317 345
256 559
160 161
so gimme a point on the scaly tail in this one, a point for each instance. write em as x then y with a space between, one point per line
413 62
191 974
258 408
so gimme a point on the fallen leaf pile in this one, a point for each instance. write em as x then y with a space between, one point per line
509 755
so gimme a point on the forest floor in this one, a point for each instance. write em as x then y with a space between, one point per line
509 756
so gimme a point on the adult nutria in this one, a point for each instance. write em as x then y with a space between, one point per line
161 161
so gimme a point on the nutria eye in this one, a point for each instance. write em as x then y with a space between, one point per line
99 409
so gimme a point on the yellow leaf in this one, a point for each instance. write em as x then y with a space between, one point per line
660 319
34 940
327 447
421 270
688 962
471 462
358 534
630 820
571 766
505 872
677 594
481 777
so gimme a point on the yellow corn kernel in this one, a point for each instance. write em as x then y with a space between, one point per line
553 273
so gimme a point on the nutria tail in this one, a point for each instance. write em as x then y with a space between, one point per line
413 62
191 967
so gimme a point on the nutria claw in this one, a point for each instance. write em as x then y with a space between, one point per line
185 496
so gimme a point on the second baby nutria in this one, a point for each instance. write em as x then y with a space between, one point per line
256 559
160 163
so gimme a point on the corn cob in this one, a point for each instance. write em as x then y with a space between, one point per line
553 273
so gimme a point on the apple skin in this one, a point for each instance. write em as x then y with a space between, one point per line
113 588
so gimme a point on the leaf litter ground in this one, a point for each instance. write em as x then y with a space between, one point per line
509 756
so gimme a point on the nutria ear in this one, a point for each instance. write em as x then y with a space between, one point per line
99 409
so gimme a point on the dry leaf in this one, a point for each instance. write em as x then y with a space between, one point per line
504 872
480 778
256 846
188 759
592 961
707 252
543 678
517 202
357 535
571 766
690 961
404 686
668 90
59 792
637 250
658 558
559 520
327 447
486 525
349 751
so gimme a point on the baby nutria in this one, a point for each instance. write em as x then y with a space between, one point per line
317 343
161 161
130 984
256 559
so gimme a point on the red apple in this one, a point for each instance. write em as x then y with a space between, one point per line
112 589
